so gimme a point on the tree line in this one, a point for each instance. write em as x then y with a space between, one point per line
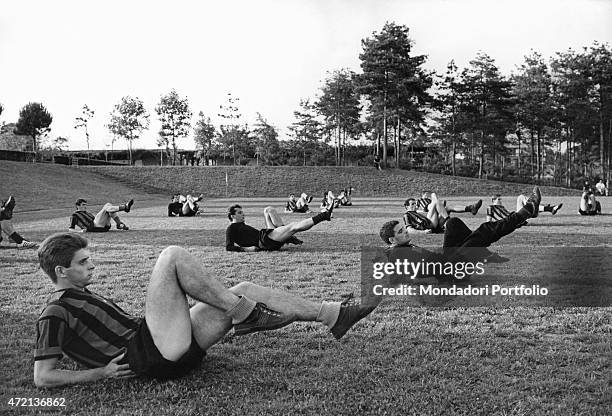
548 119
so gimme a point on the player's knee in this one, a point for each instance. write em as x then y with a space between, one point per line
107 206
243 288
173 253
268 210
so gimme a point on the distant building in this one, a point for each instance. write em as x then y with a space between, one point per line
11 141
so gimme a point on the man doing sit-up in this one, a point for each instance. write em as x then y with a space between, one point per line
459 240
6 225
240 236
496 211
102 221
437 215
172 337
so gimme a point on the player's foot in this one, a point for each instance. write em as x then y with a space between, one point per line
122 226
496 258
556 208
27 244
351 312
534 201
128 205
261 319
475 207
294 240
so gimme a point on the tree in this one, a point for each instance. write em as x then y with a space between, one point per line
82 121
175 118
266 141
535 106
204 134
339 104
393 81
447 103
233 135
487 107
60 143
129 119
306 129
34 121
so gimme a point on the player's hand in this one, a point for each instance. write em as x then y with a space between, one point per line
115 370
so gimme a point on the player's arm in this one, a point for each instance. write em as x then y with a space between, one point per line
414 231
229 241
47 375
73 223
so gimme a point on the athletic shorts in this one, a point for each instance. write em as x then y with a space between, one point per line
266 243
581 212
146 360
98 229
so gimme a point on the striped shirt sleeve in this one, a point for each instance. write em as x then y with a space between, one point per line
50 331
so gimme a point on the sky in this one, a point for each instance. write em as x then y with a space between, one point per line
269 54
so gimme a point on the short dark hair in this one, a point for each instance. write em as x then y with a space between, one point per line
80 201
232 211
406 202
494 197
58 250
388 230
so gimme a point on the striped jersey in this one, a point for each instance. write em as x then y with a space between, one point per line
88 328
84 219
417 221
423 204
497 212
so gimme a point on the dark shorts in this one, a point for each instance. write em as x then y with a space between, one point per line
93 229
266 243
581 212
146 360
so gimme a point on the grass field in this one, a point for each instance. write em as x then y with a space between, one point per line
402 360
429 361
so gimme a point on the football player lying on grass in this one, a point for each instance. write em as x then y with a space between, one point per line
184 206
496 211
437 215
172 338
459 241
588 204
6 225
298 204
102 221
239 236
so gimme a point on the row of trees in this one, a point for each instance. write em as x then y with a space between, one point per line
548 118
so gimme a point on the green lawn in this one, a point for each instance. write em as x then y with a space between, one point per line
402 360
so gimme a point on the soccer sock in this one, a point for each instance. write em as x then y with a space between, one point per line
241 310
126 207
328 314
16 238
547 208
323 216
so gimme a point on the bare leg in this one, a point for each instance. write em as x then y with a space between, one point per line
521 201
210 324
273 218
437 211
175 274
284 232
102 218
7 227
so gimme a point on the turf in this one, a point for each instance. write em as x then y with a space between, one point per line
401 360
